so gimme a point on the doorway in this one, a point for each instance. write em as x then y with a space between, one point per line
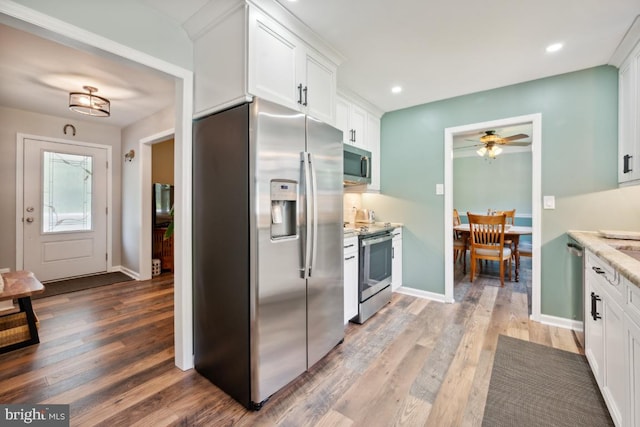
535 121
65 189
51 28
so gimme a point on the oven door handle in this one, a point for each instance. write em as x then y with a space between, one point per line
376 240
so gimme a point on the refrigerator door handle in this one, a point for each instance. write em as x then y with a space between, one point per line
314 200
304 157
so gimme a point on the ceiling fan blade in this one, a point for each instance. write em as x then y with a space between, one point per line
518 144
468 147
515 137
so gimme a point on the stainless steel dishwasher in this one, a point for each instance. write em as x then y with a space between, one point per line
574 275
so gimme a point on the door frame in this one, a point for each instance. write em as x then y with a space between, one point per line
145 150
536 201
47 26
20 142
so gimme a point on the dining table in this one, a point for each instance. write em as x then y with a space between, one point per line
511 232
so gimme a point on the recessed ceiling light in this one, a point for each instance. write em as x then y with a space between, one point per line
396 89
554 47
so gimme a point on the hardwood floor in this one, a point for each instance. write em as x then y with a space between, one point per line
108 352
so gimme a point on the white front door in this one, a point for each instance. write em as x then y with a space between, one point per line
64 214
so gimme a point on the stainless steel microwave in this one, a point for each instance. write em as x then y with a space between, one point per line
357 165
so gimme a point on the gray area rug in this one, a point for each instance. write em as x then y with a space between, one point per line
536 385
81 283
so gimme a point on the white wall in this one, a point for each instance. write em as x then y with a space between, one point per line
14 121
131 183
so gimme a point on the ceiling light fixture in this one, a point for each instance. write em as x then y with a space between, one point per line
396 89
88 103
490 150
554 47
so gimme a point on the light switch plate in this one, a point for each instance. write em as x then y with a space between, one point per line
439 189
549 202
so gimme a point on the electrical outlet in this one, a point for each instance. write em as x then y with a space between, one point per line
549 202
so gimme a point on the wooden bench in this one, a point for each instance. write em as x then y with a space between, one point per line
19 329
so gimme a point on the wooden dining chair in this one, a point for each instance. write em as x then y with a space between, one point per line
487 242
510 220
459 243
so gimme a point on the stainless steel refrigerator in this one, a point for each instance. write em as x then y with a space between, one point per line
268 232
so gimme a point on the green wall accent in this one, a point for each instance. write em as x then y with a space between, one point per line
579 167
503 183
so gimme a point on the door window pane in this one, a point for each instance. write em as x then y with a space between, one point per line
66 195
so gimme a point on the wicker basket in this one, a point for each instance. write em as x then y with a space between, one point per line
14 329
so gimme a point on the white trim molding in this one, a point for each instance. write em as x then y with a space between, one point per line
424 294
536 203
183 304
561 322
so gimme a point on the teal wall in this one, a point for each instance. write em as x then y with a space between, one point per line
579 167
503 183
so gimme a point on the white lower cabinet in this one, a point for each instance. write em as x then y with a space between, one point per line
396 261
594 328
633 353
608 342
350 278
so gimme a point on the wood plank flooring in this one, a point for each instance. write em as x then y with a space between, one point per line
108 352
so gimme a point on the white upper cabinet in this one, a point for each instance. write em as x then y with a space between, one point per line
319 87
242 51
360 126
284 69
351 119
629 107
272 61
373 140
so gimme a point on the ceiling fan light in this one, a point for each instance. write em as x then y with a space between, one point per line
494 151
482 151
89 103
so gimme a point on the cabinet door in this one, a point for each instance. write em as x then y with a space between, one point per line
350 279
396 261
633 352
593 328
319 87
615 377
358 124
373 144
272 61
342 119
627 120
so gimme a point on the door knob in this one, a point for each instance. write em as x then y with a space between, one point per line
29 219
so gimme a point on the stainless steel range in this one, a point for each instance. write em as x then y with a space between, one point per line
374 269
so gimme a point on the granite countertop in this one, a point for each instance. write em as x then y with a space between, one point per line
621 254
351 229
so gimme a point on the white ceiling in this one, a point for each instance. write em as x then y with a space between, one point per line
433 49
38 74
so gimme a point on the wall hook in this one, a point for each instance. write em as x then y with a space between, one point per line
69 126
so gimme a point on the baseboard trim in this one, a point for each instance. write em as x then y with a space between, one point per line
423 294
561 322
125 270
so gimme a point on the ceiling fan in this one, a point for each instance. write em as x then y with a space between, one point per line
491 143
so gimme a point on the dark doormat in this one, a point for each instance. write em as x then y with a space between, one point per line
536 385
81 283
